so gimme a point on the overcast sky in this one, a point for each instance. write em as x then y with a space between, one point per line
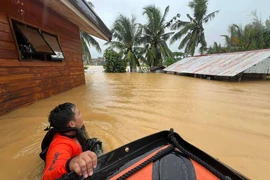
231 11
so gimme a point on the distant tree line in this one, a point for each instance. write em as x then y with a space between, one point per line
148 42
253 36
136 43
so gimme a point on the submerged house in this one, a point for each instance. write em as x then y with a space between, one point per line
40 48
236 65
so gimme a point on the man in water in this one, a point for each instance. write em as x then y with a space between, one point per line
65 152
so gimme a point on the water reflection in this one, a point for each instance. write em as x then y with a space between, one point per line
230 121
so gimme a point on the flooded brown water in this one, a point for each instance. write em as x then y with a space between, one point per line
230 121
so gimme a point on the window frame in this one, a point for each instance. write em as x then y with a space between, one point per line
38 31
12 19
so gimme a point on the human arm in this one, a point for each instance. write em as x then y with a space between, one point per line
84 163
65 156
56 159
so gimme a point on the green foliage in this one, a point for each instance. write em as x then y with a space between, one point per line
87 39
267 24
145 42
154 36
126 34
144 68
85 67
216 48
169 61
192 29
252 36
114 62
176 56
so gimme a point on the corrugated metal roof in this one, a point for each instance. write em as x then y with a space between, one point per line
262 67
225 64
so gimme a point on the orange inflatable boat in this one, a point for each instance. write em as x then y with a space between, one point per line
161 156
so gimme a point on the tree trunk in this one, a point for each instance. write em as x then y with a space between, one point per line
131 66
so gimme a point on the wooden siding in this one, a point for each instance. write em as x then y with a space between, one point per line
23 82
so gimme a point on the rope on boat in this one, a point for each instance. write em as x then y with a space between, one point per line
148 161
168 150
195 158
160 154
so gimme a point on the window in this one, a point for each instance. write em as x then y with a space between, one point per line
36 44
53 42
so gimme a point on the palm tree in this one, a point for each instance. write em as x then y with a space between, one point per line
267 24
230 40
87 41
257 28
244 39
154 36
216 48
250 37
267 33
126 39
193 29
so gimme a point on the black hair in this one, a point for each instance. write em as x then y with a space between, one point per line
61 115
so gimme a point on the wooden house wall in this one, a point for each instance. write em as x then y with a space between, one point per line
23 82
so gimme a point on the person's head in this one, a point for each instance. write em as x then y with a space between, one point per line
64 116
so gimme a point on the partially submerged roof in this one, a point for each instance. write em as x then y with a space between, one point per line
154 68
224 64
81 14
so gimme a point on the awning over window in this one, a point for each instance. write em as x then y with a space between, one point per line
35 39
53 42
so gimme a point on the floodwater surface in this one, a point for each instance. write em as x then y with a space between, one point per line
228 120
